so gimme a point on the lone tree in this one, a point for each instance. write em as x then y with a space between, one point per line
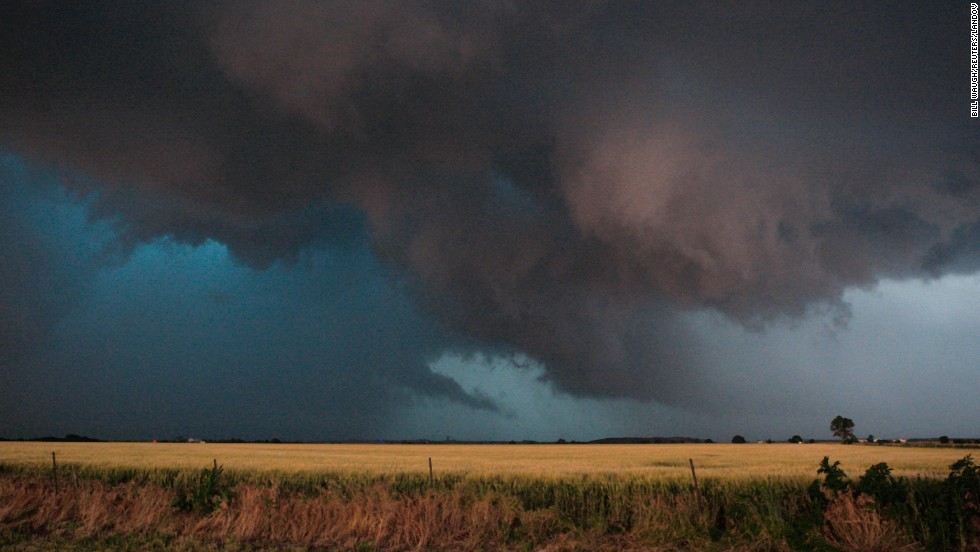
738 439
843 428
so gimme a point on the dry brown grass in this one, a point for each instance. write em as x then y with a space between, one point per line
373 517
854 524
271 516
89 510
433 520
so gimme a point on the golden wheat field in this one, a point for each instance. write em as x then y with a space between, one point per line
715 461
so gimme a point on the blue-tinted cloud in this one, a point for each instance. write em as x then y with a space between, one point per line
174 339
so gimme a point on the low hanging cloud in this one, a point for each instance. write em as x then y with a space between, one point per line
42 274
562 181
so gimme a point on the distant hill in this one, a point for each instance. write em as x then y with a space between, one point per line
70 438
647 440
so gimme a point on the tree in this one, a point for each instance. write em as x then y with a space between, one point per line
796 439
843 428
738 439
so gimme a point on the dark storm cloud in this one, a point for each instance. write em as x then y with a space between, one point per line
180 340
561 180
42 273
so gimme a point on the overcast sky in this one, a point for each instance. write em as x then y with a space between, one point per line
482 220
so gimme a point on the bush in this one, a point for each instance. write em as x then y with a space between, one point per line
834 478
962 490
879 484
738 439
206 495
942 516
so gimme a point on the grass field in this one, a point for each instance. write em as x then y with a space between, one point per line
484 497
719 461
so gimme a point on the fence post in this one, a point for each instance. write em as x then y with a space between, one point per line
697 490
54 472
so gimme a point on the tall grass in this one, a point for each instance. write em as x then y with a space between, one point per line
465 514
855 524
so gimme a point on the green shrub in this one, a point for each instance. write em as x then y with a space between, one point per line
885 489
206 494
961 491
834 478
941 515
